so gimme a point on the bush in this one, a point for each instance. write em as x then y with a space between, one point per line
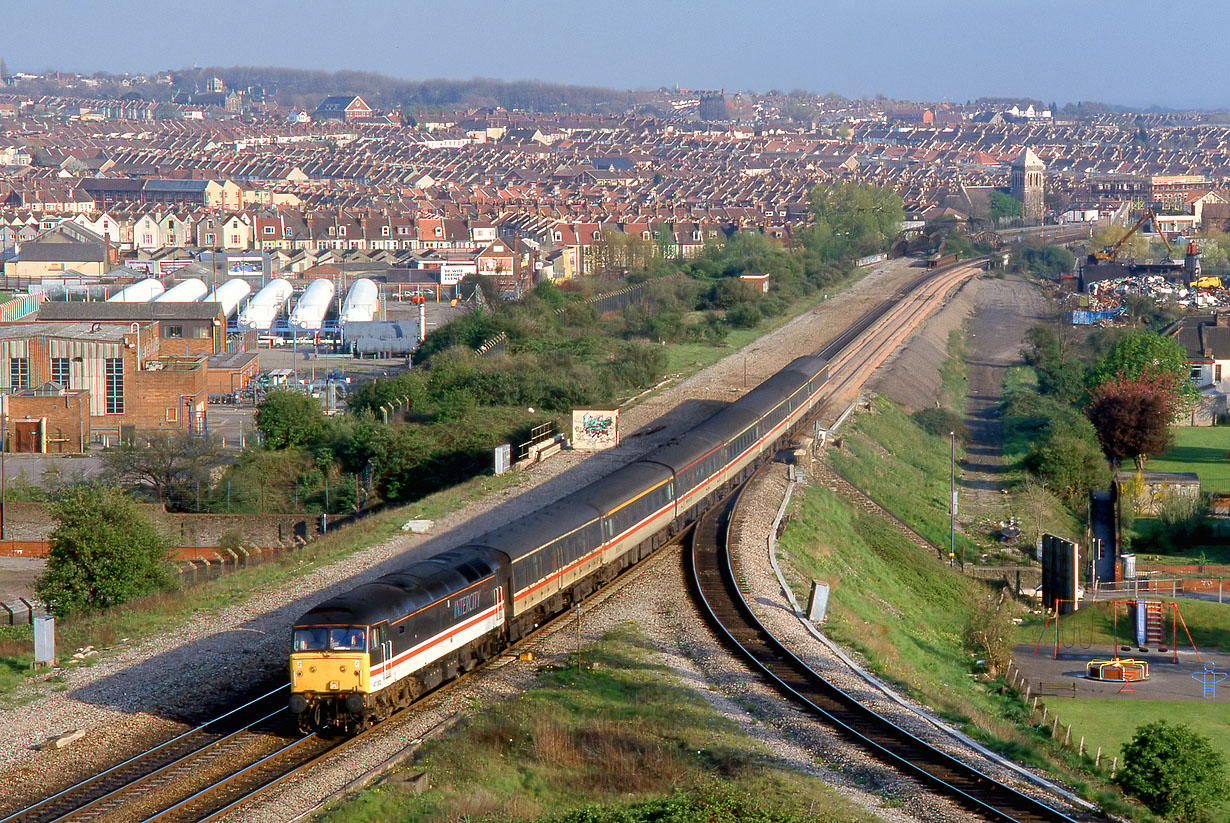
1174 771
1071 465
104 552
940 422
743 316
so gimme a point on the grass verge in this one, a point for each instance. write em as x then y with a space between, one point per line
911 618
904 469
621 740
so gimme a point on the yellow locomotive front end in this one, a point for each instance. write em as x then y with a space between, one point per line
330 675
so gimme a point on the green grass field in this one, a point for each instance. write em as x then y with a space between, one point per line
1110 723
1199 449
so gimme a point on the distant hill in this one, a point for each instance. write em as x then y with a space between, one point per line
305 88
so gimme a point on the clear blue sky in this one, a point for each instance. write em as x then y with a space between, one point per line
1054 50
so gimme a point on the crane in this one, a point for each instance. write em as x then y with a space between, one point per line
1111 252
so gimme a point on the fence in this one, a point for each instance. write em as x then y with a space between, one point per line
1046 720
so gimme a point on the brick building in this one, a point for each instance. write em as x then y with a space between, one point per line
184 329
107 377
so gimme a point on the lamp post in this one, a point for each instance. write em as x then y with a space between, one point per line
952 506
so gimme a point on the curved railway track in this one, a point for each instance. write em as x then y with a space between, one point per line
717 591
215 768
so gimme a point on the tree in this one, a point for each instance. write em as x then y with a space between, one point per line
1004 207
168 463
103 552
1174 771
1144 353
1132 418
1106 236
289 418
852 220
1068 463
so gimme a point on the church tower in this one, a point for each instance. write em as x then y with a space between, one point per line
1026 184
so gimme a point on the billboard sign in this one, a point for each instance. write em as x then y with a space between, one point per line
595 429
451 273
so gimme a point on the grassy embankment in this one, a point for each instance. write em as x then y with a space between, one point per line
162 612
621 740
899 606
909 616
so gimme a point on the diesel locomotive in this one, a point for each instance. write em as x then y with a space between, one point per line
358 657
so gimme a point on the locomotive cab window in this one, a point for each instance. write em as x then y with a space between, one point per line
339 638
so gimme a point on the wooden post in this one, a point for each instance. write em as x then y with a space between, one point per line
1081 751
1055 726
1097 761
1067 736
1114 767
1045 712
1035 704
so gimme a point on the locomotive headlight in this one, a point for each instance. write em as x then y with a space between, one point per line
342 668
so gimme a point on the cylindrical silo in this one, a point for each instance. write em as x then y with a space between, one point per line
361 302
261 312
309 313
229 294
189 291
142 291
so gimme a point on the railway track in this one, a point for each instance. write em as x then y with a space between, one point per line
117 791
718 594
217 767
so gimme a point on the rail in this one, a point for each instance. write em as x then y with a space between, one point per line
716 589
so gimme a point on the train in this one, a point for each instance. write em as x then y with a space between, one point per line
360 656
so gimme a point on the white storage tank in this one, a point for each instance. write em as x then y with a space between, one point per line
261 312
309 313
189 291
361 302
229 294
142 291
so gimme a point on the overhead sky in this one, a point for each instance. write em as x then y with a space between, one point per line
1124 51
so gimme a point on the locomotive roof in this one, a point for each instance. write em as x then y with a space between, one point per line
528 533
395 595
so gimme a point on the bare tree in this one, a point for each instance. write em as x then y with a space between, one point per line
167 464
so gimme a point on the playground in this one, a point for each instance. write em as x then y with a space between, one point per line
1127 649
1186 682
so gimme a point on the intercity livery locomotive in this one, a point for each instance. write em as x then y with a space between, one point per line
360 656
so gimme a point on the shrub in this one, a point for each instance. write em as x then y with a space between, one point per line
940 422
1174 771
104 552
